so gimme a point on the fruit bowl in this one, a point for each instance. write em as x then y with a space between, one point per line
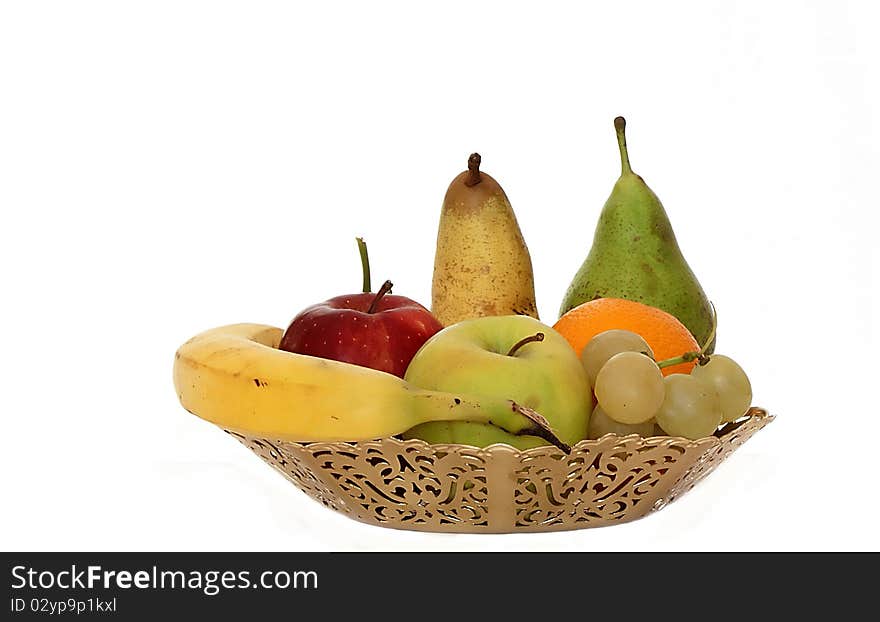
462 489
480 367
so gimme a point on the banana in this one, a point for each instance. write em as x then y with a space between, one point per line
236 377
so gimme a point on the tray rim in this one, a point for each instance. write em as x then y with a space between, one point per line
705 443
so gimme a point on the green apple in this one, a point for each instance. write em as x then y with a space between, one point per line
511 356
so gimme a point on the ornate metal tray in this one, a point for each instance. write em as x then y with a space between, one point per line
499 489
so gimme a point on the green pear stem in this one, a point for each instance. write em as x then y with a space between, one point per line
365 265
620 128
530 339
701 357
473 177
386 287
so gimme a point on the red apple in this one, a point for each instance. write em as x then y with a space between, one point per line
378 330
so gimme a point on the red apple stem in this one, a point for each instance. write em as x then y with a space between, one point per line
530 339
386 287
365 265
473 177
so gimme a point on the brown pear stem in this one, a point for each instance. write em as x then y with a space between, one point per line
473 177
386 287
530 339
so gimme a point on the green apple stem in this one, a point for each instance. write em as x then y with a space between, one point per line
530 339
365 264
473 177
620 128
701 357
386 287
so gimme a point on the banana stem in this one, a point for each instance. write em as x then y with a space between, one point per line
540 428
501 413
365 265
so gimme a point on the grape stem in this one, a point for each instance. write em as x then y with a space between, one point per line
701 357
687 357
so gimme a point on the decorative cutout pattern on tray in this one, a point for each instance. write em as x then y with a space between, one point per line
499 489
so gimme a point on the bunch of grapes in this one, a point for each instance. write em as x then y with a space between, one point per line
634 397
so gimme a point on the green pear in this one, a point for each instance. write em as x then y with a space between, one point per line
513 357
635 256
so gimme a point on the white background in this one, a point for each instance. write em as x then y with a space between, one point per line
166 167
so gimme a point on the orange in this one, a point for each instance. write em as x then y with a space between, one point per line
667 336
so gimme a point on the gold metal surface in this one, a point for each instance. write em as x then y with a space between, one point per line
499 489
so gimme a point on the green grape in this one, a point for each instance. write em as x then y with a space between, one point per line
601 424
605 345
629 388
690 409
729 381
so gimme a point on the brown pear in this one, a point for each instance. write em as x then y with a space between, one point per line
482 266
